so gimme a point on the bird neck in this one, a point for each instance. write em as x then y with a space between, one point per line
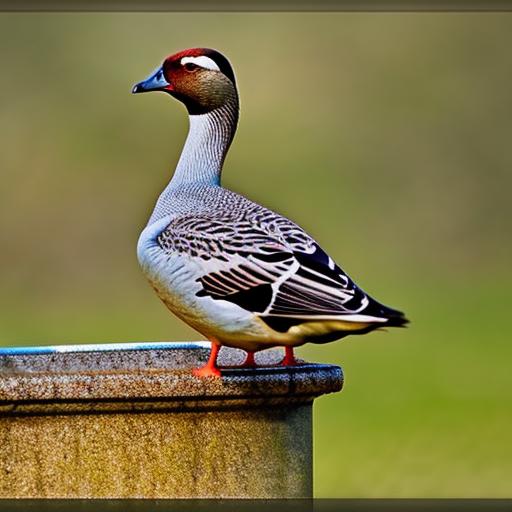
201 160
207 144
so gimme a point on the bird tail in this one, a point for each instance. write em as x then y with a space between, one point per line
394 318
397 320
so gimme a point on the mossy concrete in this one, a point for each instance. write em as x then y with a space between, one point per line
137 423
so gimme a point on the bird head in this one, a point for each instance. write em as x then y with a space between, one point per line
201 78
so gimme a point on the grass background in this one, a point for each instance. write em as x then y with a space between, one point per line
387 136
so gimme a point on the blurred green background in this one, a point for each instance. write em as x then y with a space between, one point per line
387 136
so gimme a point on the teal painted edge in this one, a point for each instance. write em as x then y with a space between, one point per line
104 347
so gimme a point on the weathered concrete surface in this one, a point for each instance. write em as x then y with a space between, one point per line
136 423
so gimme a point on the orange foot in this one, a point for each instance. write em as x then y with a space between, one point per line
289 358
249 361
210 369
206 371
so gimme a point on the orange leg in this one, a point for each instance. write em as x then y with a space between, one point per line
289 358
210 369
249 362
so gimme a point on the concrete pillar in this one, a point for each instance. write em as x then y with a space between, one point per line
131 421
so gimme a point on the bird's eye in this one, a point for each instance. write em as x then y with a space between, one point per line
190 66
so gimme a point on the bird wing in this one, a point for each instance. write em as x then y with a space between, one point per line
267 265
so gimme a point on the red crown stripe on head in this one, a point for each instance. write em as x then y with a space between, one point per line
217 57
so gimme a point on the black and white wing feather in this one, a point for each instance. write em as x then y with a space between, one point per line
269 266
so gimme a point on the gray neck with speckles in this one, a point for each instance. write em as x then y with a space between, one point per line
203 155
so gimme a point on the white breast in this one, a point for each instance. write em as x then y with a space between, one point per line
174 278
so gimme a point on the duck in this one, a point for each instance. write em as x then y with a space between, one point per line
240 274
